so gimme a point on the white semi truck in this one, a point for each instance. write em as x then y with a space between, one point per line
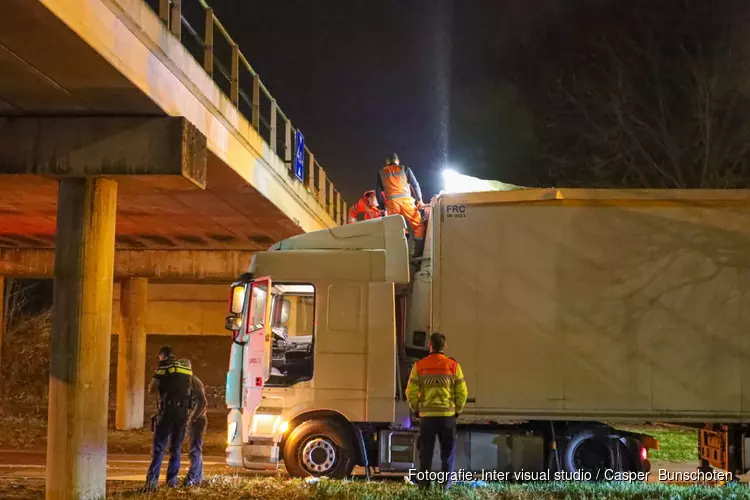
572 313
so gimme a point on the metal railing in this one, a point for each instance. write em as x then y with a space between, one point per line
249 95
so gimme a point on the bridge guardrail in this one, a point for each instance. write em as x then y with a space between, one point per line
249 95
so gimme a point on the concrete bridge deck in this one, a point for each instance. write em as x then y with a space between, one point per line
121 157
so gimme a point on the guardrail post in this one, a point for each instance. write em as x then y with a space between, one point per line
338 208
288 143
176 22
322 188
273 126
256 102
344 212
208 43
164 6
311 175
331 210
234 88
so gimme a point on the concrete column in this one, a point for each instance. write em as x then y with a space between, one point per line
131 354
2 320
81 330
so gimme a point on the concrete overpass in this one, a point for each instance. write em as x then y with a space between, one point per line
125 156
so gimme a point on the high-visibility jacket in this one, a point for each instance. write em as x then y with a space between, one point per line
363 207
397 182
174 378
436 387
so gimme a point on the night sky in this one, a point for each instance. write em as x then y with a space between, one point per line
364 78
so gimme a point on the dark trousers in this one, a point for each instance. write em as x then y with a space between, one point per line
170 427
444 429
197 431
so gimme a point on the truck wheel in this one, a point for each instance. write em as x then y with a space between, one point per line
318 448
588 451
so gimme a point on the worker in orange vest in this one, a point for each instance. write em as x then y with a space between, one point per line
437 392
367 205
398 186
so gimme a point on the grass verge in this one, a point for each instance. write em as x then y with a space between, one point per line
676 444
222 487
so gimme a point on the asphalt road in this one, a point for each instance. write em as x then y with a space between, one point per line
31 465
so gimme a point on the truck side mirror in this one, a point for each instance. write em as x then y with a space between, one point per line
233 323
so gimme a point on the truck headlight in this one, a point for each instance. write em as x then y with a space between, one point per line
231 432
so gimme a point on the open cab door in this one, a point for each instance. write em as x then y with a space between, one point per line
250 359
257 339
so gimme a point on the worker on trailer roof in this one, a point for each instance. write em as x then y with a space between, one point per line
367 205
399 188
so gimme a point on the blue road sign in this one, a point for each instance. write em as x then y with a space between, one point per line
299 156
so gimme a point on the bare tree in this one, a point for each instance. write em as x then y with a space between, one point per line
642 94
16 298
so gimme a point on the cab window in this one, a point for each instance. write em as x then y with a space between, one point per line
292 325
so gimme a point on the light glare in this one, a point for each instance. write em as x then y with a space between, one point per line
453 182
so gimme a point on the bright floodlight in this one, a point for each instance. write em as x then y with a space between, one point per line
453 182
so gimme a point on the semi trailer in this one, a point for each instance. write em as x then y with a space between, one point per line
574 314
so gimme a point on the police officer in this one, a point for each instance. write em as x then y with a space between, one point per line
197 424
437 392
173 381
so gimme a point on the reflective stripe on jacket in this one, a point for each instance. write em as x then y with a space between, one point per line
175 380
436 387
174 366
395 182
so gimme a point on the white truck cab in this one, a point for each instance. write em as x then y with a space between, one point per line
315 350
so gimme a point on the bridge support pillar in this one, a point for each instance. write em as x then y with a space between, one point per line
131 354
3 312
81 331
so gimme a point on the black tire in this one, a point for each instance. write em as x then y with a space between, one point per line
629 460
319 448
589 450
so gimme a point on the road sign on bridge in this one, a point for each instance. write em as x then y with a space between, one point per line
299 156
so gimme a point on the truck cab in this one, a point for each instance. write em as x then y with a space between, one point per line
315 350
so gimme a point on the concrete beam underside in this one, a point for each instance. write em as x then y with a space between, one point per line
134 40
104 146
176 265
